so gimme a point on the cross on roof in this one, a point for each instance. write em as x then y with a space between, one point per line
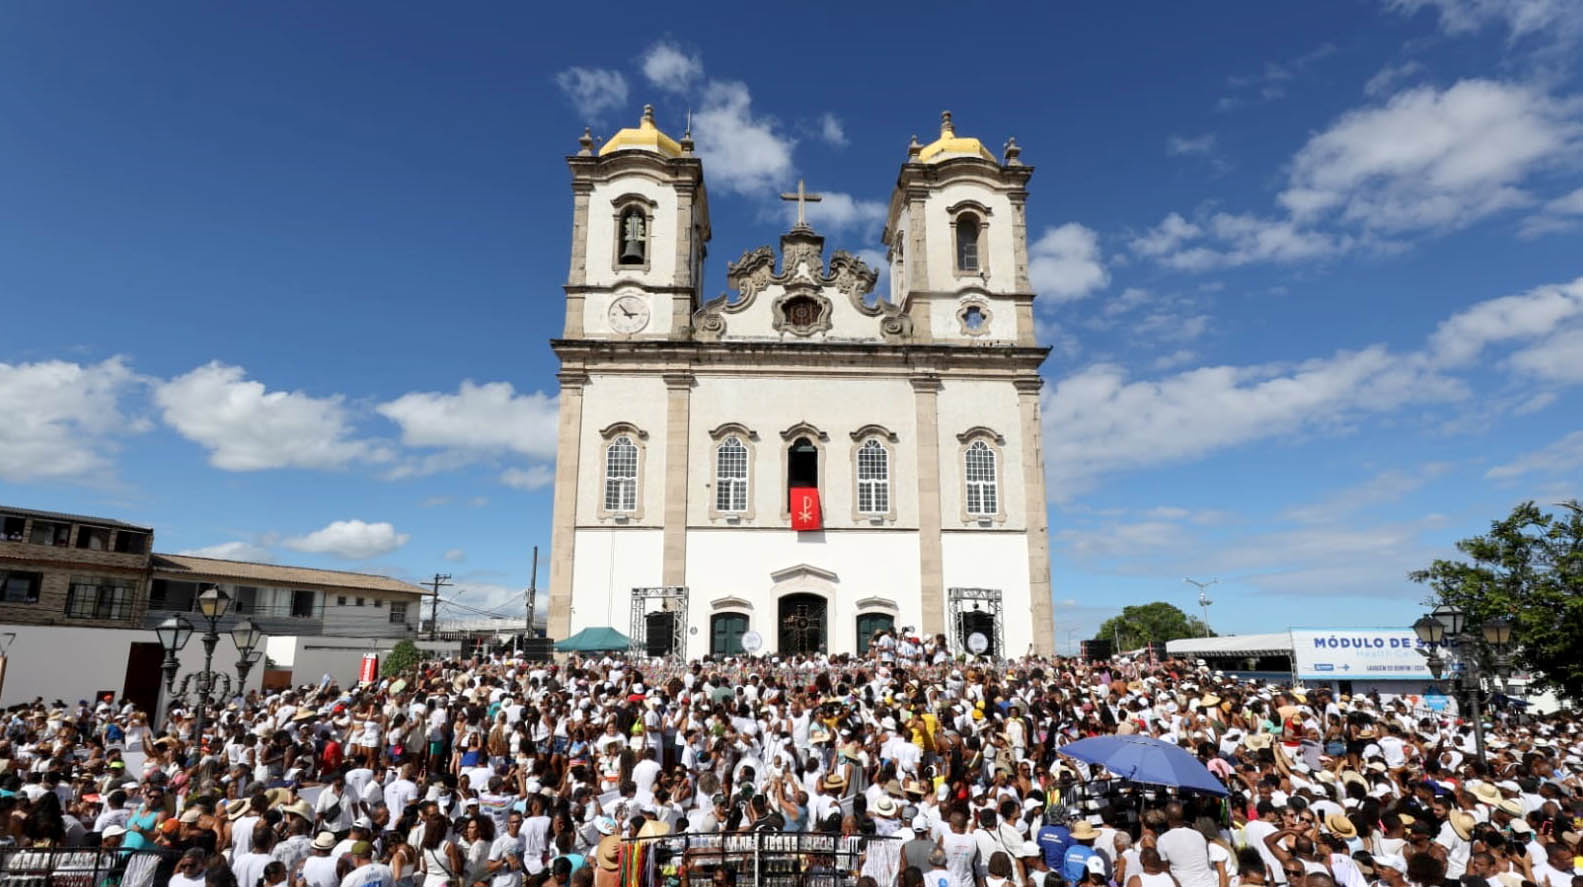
802 197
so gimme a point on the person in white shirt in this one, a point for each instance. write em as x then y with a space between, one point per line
506 854
401 792
1184 849
318 870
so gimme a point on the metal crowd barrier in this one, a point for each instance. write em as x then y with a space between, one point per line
764 859
83 867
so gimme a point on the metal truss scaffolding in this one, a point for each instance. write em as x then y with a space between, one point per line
672 600
975 605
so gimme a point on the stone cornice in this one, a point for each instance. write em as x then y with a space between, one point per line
904 358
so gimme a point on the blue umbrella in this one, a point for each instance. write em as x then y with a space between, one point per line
1145 759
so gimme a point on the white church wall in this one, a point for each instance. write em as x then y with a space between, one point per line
847 323
737 563
602 231
609 563
639 400
999 257
978 559
967 403
837 406
945 325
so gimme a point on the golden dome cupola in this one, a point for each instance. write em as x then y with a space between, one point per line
950 145
643 137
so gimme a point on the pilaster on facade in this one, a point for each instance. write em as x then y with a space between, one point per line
931 560
678 416
1038 516
563 519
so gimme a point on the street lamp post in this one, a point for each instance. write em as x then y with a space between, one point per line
174 632
1446 627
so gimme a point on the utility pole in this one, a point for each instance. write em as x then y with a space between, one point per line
533 591
440 581
1203 599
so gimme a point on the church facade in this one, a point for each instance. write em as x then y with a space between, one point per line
802 461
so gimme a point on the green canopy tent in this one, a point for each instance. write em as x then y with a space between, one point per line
594 640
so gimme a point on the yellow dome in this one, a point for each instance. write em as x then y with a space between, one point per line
949 145
643 137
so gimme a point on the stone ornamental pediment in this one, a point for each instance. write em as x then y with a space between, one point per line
803 292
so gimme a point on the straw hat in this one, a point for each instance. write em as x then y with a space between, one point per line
1341 827
834 782
1083 830
302 808
1486 793
324 841
1462 823
1257 741
653 828
235 809
608 854
885 806
1510 807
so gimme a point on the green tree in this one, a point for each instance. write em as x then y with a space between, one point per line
402 658
1529 569
1148 623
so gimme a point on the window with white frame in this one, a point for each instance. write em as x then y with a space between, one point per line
979 470
398 612
621 475
873 478
731 476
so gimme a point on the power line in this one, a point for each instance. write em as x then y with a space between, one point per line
440 581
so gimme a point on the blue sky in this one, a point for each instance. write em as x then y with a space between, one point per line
279 281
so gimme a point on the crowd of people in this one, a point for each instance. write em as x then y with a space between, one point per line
922 770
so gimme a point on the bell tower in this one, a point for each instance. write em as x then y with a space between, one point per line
957 234
640 228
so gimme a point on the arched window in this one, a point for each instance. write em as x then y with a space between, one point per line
979 469
634 235
967 242
621 475
873 478
731 476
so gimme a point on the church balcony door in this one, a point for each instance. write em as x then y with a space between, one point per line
802 624
802 466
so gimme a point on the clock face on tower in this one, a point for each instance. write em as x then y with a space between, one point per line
629 314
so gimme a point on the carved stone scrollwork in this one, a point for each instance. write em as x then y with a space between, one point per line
897 326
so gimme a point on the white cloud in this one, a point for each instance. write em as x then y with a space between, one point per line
531 478
455 555
233 551
836 212
1561 214
1384 487
246 427
1118 539
1225 240
1556 20
350 539
1387 77
1179 357
62 420
1536 314
670 69
1065 263
831 130
743 152
477 419
1431 158
593 91
1565 455
1559 358
1178 145
1097 420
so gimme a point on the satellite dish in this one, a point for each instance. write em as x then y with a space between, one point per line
977 643
752 641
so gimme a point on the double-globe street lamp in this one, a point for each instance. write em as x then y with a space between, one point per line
1446 627
173 634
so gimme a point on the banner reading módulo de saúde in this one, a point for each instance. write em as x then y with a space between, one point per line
1358 654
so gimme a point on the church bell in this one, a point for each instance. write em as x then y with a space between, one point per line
631 251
